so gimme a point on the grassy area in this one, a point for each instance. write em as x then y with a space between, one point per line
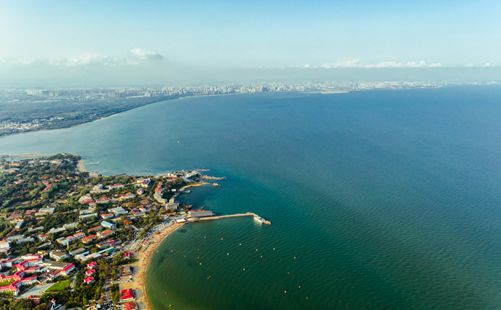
6 282
115 293
59 286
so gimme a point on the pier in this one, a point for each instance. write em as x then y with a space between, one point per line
220 217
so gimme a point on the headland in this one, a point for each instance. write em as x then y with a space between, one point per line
95 233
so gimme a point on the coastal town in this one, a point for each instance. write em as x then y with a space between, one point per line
70 238
21 109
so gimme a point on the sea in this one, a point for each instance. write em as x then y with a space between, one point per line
381 199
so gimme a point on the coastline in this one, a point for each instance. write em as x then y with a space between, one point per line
144 256
106 116
97 118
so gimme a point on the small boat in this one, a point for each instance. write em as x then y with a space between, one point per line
261 220
258 219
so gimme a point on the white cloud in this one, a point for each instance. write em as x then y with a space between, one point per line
142 54
352 63
355 63
484 65
86 59
13 61
134 57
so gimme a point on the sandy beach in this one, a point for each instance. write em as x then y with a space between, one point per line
144 256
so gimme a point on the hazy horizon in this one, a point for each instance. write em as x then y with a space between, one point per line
92 77
89 43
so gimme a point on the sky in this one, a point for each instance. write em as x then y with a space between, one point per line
124 41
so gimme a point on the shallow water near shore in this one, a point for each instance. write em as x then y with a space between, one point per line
379 199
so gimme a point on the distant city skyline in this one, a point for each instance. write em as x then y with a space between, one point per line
117 42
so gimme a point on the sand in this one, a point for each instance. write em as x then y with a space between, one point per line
144 257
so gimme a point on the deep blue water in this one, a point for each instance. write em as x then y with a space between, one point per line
379 199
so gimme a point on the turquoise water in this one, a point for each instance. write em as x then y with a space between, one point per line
379 199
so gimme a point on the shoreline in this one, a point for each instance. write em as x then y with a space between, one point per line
100 117
103 117
144 256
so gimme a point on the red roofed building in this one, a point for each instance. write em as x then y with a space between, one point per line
79 235
95 229
29 264
32 257
90 272
89 280
12 288
48 186
106 233
127 255
43 237
158 189
103 200
86 200
91 265
89 239
127 294
106 216
126 196
13 277
68 269
130 306
32 260
143 182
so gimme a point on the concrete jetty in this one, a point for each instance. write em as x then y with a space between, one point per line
220 217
